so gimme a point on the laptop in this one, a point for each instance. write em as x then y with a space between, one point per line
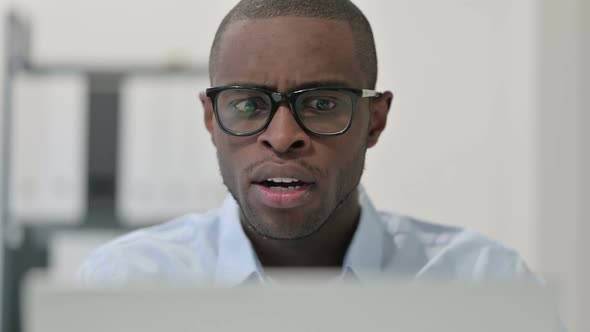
301 305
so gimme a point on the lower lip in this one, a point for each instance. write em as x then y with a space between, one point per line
282 199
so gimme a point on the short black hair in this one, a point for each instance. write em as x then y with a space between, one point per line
330 9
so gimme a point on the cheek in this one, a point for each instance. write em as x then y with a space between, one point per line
355 138
234 154
339 152
361 120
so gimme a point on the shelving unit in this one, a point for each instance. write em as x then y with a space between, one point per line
24 244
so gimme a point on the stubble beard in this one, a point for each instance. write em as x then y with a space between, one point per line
346 185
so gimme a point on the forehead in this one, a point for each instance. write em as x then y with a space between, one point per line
285 52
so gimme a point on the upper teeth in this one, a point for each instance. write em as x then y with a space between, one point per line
282 180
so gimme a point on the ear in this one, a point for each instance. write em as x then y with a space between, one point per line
209 117
379 109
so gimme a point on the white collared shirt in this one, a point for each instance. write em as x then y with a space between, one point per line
213 248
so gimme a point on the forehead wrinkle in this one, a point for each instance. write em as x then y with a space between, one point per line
282 77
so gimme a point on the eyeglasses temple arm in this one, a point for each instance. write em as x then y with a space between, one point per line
370 93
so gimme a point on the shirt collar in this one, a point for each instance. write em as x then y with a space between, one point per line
238 263
364 257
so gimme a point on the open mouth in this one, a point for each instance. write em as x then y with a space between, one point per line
283 192
284 184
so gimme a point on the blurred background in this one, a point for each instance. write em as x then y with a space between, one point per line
101 127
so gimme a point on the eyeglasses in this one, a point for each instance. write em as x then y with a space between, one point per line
245 111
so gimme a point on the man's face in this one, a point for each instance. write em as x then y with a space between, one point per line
287 54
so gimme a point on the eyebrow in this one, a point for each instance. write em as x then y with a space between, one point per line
306 85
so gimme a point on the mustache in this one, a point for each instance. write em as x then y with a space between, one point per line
322 173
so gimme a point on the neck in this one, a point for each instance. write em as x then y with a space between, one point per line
326 248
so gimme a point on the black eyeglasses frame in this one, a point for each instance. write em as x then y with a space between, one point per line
278 98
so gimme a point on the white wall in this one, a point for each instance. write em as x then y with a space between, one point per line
460 146
560 149
469 128
126 32
583 243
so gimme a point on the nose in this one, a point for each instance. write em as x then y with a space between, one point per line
283 134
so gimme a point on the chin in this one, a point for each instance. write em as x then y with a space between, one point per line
286 227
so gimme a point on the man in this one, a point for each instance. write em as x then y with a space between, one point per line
291 113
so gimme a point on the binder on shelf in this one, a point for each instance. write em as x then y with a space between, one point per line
48 159
167 163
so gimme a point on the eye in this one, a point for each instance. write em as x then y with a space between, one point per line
248 106
321 104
